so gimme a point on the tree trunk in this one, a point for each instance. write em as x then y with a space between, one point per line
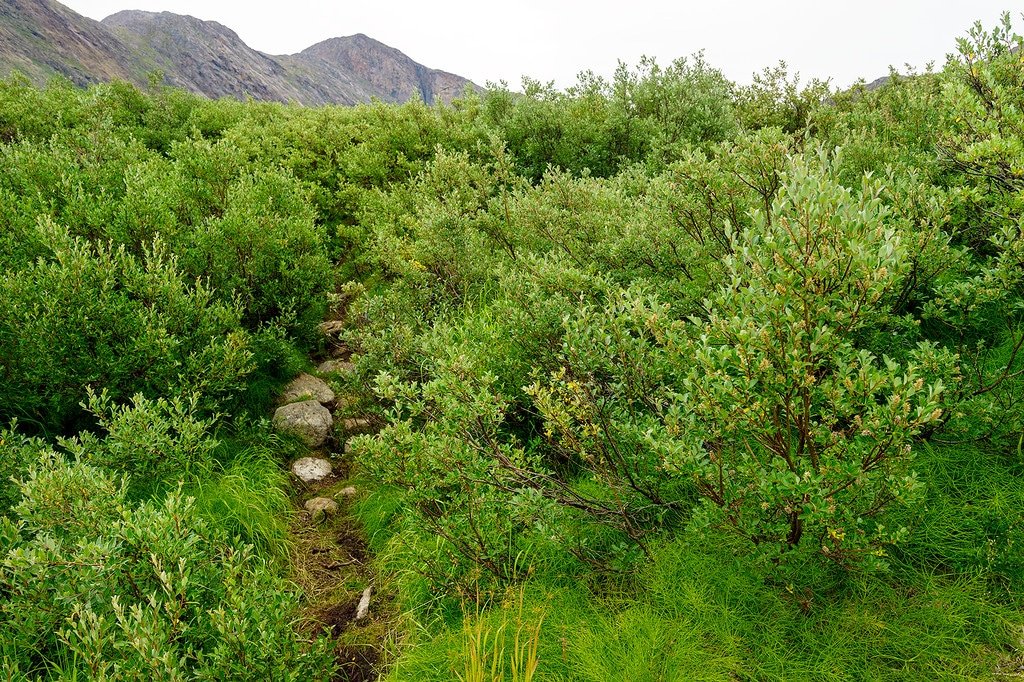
796 528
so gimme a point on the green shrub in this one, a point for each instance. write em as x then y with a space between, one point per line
792 434
264 251
102 588
152 441
99 317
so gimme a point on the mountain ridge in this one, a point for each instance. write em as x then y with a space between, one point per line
43 38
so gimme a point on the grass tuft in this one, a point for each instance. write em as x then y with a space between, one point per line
248 499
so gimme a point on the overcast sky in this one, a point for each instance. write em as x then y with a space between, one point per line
555 40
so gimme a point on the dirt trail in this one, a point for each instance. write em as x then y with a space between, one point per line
330 559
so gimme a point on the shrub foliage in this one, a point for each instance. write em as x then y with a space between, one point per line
763 343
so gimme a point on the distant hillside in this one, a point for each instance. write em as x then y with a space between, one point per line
384 69
41 38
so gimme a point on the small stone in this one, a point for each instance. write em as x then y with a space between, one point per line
336 367
311 469
347 491
307 387
332 327
308 420
363 608
348 448
321 506
356 425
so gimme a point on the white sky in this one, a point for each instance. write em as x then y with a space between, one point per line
555 39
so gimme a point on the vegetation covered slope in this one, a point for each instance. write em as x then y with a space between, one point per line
679 379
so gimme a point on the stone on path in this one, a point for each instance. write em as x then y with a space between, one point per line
311 469
321 506
307 387
332 326
336 367
309 420
356 425
364 603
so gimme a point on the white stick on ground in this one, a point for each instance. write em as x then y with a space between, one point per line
364 603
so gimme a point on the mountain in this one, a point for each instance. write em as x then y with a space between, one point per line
877 83
208 57
384 69
42 38
201 56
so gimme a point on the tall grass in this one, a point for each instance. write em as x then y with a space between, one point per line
247 497
697 612
490 657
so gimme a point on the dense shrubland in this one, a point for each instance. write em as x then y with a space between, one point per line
679 378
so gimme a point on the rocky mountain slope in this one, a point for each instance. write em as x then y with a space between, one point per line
42 38
384 69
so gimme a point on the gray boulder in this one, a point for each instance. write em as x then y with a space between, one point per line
336 367
309 420
307 387
311 469
331 327
356 425
321 506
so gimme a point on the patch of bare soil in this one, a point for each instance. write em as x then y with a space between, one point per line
353 542
338 617
332 565
331 562
356 663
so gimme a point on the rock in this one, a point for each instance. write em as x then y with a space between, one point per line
332 327
363 607
347 491
348 448
311 469
307 387
356 425
321 506
336 367
309 420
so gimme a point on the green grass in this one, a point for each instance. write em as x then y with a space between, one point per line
863 627
700 611
972 518
378 513
697 614
248 498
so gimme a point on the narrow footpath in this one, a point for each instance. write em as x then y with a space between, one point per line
330 560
